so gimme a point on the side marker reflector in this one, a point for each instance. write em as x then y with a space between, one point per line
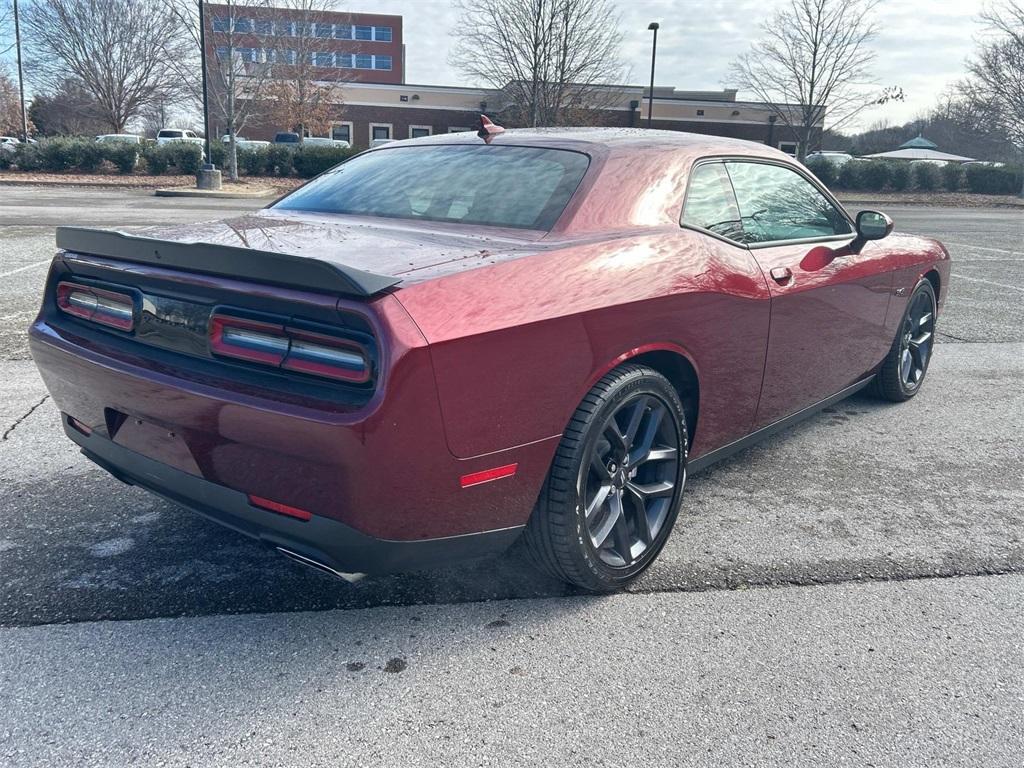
281 509
487 475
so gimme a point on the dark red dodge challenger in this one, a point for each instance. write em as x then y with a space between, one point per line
444 344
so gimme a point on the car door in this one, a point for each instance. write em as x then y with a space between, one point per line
828 303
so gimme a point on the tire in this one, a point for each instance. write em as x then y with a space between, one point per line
634 472
905 366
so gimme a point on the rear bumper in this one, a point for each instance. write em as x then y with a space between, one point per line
320 539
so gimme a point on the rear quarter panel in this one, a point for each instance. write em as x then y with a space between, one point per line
516 345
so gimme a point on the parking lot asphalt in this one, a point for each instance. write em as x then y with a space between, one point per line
866 490
863 492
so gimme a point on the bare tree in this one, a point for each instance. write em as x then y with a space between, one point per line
297 99
814 55
240 66
10 105
550 57
120 51
6 27
995 83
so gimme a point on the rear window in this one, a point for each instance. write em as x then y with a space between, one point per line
500 186
169 135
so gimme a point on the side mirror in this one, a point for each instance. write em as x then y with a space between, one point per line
871 225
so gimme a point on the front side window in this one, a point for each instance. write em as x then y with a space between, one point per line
710 203
526 187
777 204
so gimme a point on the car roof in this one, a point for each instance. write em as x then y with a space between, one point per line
613 140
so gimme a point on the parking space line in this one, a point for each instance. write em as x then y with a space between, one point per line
986 248
26 267
988 282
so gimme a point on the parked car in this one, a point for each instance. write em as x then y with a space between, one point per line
443 345
167 135
9 144
119 138
322 141
835 158
243 143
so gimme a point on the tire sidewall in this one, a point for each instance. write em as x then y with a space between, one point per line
924 285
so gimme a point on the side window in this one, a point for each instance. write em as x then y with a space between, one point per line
777 203
710 203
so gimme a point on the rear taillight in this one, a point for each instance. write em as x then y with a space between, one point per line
98 305
293 349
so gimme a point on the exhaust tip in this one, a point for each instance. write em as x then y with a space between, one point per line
351 578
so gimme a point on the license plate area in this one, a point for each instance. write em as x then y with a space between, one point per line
152 441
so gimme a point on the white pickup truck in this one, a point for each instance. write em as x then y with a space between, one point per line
167 135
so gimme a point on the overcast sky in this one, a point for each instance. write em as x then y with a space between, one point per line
921 48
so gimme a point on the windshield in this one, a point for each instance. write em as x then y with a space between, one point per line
525 187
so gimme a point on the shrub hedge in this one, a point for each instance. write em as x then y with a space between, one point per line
988 180
926 177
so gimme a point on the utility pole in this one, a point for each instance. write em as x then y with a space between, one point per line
21 76
209 176
654 52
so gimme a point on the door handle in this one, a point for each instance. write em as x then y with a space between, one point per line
782 275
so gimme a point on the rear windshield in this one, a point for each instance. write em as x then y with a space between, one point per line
501 186
169 135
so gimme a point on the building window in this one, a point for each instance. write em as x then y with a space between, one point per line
222 51
789 147
700 113
364 33
324 30
343 60
342 132
416 131
382 34
221 24
263 26
246 54
458 129
380 130
243 26
323 59
343 31
382 62
364 61
285 28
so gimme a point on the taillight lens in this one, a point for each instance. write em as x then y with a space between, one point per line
293 349
98 305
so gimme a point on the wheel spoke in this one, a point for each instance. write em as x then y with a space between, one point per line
643 448
600 536
925 318
620 533
906 363
660 454
635 418
642 522
597 501
597 464
652 490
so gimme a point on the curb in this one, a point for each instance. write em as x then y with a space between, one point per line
219 193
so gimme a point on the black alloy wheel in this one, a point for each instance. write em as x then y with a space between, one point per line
903 371
614 489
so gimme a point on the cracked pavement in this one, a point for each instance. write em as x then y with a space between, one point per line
864 492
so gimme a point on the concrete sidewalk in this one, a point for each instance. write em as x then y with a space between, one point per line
899 674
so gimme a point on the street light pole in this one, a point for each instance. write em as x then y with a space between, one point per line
206 98
21 76
654 52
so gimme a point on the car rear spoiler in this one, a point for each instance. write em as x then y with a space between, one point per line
226 261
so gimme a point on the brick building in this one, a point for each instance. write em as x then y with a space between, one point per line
360 56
